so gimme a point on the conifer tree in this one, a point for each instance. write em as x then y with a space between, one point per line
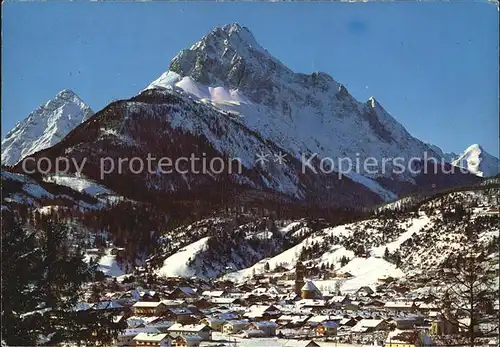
42 283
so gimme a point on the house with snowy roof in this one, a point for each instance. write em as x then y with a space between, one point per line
234 326
268 328
408 338
403 306
262 312
112 306
228 315
126 337
162 324
297 343
141 294
369 325
313 304
327 328
201 330
180 315
213 293
271 291
292 321
187 341
152 339
213 322
313 321
290 297
183 293
338 301
347 322
202 303
426 307
148 308
173 303
310 291
252 333
406 322
140 321
364 291
353 305
225 302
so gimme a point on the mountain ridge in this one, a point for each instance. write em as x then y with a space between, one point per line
300 110
230 98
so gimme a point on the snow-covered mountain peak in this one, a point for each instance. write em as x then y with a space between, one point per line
45 126
476 147
239 37
228 41
63 98
67 95
230 57
478 161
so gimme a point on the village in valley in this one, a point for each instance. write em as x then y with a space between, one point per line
273 310
374 282
245 277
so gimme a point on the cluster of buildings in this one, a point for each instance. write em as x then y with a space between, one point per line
194 313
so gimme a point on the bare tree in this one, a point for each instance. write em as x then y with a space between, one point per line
470 286
338 285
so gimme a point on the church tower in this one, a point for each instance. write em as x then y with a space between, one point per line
299 277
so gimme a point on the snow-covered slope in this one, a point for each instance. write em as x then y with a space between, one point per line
25 190
363 252
80 184
178 263
303 114
45 126
109 266
211 247
106 261
329 246
478 161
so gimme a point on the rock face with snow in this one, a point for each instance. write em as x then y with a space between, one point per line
45 126
478 161
448 157
303 113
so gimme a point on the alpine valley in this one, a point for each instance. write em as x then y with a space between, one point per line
255 225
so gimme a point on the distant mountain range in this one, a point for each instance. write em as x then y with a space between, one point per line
228 97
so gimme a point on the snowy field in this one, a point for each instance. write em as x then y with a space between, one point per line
106 263
82 185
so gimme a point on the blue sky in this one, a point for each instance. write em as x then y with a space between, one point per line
433 66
